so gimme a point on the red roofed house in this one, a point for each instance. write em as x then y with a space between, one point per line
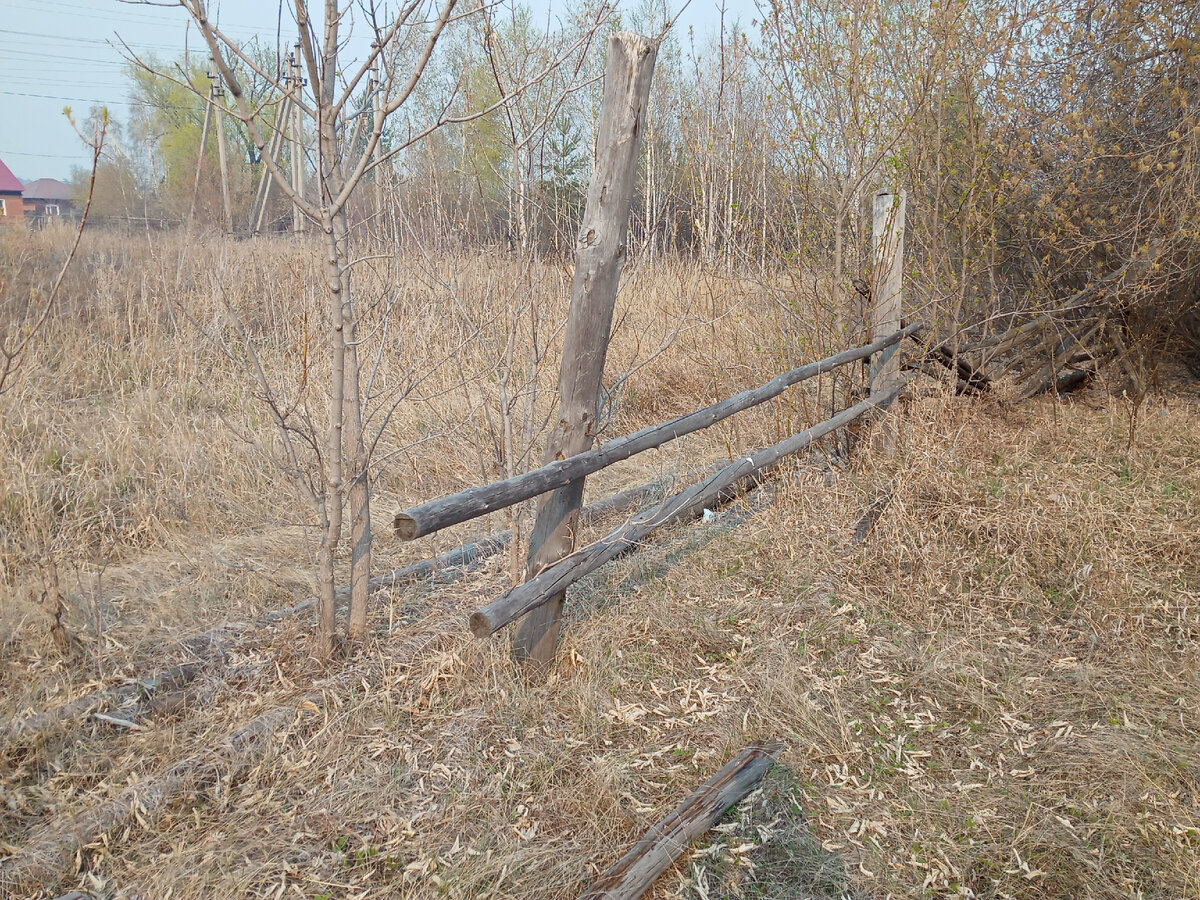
12 211
47 199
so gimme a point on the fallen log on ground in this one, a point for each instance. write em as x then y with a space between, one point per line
41 863
171 679
207 647
558 577
1072 380
478 501
969 380
633 874
45 859
871 517
1069 347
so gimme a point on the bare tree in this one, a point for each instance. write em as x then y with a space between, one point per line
331 465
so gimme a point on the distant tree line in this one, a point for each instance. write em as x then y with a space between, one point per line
1042 144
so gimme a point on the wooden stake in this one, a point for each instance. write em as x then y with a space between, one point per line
887 292
666 842
600 250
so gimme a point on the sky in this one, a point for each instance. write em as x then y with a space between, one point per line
59 53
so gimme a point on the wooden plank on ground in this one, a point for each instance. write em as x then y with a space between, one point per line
633 874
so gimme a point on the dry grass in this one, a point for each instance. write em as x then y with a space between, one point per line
994 695
135 459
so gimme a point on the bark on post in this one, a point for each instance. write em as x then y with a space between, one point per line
887 292
600 249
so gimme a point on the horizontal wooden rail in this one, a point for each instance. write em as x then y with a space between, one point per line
558 577
633 874
478 501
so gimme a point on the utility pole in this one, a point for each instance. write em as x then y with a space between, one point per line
377 114
216 94
208 108
262 197
296 82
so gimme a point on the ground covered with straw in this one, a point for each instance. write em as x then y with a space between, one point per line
979 652
995 693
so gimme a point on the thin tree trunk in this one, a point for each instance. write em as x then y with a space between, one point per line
333 447
360 475
356 481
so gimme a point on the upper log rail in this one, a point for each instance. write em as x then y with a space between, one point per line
478 501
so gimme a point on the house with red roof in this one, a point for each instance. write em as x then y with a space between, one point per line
48 199
12 206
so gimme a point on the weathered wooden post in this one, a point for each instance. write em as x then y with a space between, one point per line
887 291
600 250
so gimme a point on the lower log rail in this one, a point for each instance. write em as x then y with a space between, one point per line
633 874
562 574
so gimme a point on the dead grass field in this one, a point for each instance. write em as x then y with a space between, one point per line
995 694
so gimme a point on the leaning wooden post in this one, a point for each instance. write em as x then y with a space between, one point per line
887 288
600 250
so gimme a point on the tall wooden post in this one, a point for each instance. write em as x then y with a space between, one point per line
262 199
887 291
600 249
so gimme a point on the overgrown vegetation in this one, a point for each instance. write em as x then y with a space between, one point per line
979 649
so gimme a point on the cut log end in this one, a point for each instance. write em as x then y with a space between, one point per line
481 625
405 527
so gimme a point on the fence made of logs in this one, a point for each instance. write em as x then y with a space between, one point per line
554 564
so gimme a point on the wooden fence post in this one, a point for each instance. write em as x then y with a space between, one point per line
600 251
887 286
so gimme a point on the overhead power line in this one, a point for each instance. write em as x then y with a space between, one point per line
80 155
112 102
83 40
